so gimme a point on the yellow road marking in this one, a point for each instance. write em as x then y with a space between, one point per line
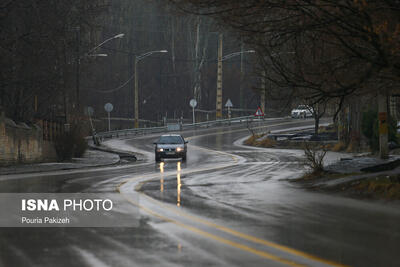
226 230
234 157
245 236
217 238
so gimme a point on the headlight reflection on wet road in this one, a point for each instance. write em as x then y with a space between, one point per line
162 177
178 184
178 181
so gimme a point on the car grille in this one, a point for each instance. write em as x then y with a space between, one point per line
169 149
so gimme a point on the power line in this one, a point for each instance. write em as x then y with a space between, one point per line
115 89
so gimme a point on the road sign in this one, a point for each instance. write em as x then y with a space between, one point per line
228 103
108 107
259 112
193 103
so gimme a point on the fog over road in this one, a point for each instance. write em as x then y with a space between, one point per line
229 204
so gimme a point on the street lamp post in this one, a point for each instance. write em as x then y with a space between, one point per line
137 59
263 89
218 113
218 105
241 96
88 54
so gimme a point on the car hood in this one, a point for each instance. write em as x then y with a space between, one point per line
169 145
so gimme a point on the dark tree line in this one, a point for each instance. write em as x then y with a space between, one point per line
167 81
38 53
45 66
318 51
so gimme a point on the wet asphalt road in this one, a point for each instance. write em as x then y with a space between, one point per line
227 205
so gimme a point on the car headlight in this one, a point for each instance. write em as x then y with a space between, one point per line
160 149
179 149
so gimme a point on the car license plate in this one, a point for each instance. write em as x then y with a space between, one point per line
170 153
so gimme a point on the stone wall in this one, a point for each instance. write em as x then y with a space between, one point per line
19 143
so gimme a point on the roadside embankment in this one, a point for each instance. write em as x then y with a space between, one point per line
124 155
327 138
361 175
91 158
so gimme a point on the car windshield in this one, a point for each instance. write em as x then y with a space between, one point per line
170 140
301 107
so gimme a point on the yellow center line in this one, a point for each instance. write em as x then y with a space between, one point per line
244 236
234 157
217 238
224 229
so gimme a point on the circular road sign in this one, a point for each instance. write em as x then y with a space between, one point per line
108 107
193 103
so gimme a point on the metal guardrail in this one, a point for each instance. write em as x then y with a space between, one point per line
162 129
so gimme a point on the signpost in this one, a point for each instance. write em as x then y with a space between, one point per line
193 104
109 107
229 105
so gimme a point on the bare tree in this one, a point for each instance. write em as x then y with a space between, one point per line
358 38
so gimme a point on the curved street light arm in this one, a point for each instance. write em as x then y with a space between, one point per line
236 54
105 41
142 56
97 55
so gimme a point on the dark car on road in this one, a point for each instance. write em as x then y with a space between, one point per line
170 146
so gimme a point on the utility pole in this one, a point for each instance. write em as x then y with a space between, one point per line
78 65
221 58
241 98
136 94
263 88
218 113
383 126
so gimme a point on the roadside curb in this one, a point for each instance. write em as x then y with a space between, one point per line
121 154
38 168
